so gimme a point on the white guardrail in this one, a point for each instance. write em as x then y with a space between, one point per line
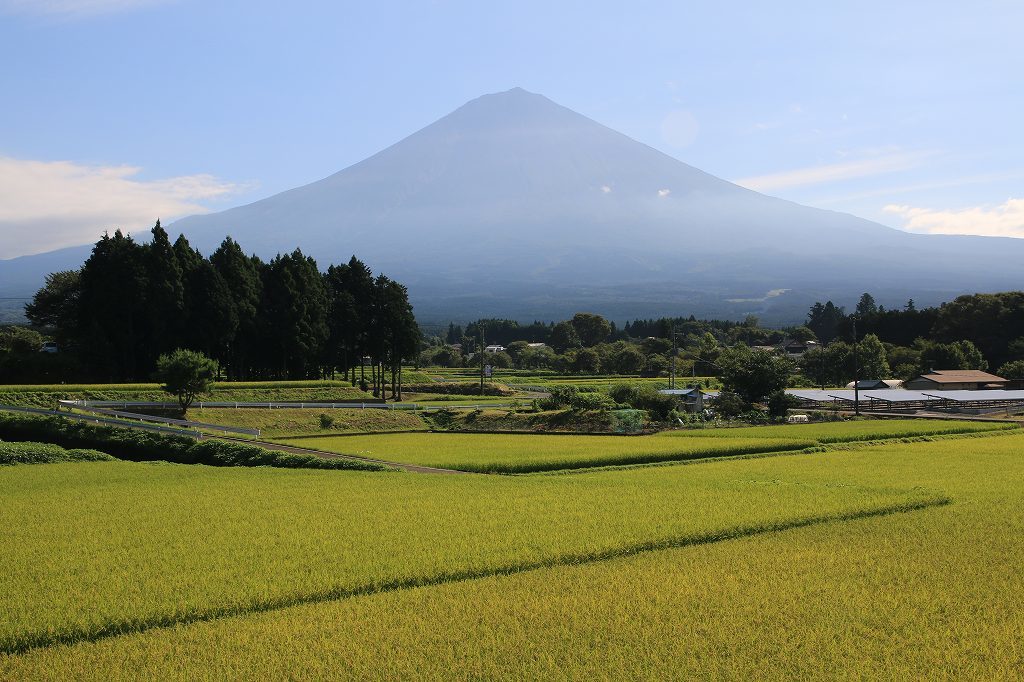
107 421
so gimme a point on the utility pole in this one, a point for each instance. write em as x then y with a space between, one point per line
856 371
672 382
482 359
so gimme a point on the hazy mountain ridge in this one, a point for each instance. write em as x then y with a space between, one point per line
515 206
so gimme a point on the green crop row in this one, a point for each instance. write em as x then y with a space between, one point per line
137 446
933 594
94 550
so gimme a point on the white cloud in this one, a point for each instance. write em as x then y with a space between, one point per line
605 189
47 205
74 8
833 172
1004 220
662 193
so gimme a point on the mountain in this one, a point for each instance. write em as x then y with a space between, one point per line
514 206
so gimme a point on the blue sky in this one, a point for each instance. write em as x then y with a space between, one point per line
117 111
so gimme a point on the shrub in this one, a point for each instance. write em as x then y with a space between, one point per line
561 397
729 405
780 402
591 401
326 421
44 453
628 421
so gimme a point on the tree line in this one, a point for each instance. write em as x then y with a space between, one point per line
131 302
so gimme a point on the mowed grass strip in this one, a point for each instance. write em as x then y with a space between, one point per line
298 421
525 453
932 594
92 550
47 395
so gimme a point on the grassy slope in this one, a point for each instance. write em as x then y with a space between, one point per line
110 547
512 453
931 594
295 422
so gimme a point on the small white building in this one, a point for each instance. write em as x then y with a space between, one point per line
494 349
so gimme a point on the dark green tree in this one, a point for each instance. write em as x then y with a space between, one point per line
590 328
241 275
186 374
165 296
753 374
113 312
564 337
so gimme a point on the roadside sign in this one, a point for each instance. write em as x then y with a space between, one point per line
488 370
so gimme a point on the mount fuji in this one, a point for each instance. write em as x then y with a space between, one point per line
514 206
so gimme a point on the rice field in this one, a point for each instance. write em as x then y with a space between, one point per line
894 560
524 453
929 591
101 548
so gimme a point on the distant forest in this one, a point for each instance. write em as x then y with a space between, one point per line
979 331
286 319
283 319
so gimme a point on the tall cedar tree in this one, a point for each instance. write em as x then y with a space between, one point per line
113 310
165 295
241 276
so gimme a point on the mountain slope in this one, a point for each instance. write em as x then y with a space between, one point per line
515 206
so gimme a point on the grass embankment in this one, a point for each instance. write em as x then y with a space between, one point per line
243 391
933 594
517 453
498 419
140 446
298 422
105 548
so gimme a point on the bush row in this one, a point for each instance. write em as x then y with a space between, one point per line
139 446
46 453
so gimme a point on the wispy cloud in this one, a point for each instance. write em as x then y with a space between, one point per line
847 170
1004 220
892 192
74 8
47 205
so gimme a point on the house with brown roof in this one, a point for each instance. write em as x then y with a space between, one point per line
955 380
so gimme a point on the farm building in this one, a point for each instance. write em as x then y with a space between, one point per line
955 380
692 398
794 349
870 384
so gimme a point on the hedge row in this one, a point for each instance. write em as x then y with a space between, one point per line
458 388
46 453
139 446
